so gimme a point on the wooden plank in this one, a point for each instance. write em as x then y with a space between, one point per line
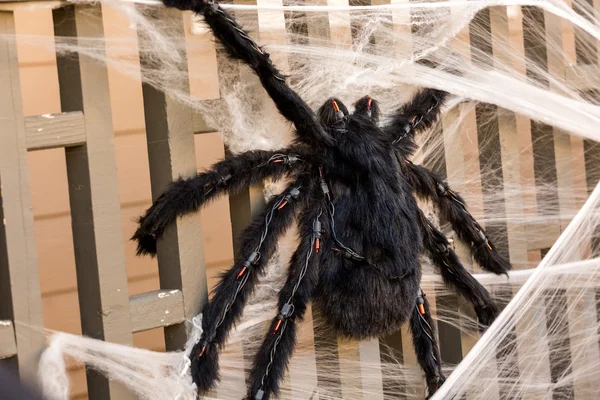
499 159
542 235
171 154
541 50
18 5
8 344
94 194
582 77
159 308
50 131
246 204
20 297
200 125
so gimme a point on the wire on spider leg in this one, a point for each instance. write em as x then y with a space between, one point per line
414 122
347 251
287 310
232 292
425 342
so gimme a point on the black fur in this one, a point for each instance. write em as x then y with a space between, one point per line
355 177
423 330
205 369
239 46
188 195
455 274
285 336
368 107
416 116
429 185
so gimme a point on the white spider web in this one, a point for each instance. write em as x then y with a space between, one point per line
377 50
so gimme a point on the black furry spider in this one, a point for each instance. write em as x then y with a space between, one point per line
361 231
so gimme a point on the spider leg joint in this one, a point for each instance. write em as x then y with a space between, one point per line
286 312
292 195
291 158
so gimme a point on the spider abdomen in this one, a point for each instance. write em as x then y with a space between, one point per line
370 298
360 303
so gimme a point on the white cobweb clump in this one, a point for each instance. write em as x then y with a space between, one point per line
545 343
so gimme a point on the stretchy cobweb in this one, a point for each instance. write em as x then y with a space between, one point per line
518 140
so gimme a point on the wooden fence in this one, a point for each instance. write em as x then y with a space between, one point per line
524 154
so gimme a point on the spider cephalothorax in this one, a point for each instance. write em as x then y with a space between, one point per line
350 192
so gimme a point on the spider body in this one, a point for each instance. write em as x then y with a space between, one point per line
361 233
376 216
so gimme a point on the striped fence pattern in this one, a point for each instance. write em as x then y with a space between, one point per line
524 153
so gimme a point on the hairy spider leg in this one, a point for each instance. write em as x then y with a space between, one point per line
272 358
241 47
429 185
418 115
425 342
258 243
187 195
455 275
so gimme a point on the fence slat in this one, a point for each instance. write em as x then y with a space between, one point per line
20 298
8 345
94 195
171 154
156 309
50 131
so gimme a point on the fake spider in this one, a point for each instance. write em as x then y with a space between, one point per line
361 231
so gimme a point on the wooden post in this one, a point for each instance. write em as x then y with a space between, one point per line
20 298
171 154
94 195
545 140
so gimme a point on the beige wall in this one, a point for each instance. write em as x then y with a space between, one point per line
49 183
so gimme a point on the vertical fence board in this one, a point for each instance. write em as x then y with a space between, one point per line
94 195
93 189
171 154
20 298
301 30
